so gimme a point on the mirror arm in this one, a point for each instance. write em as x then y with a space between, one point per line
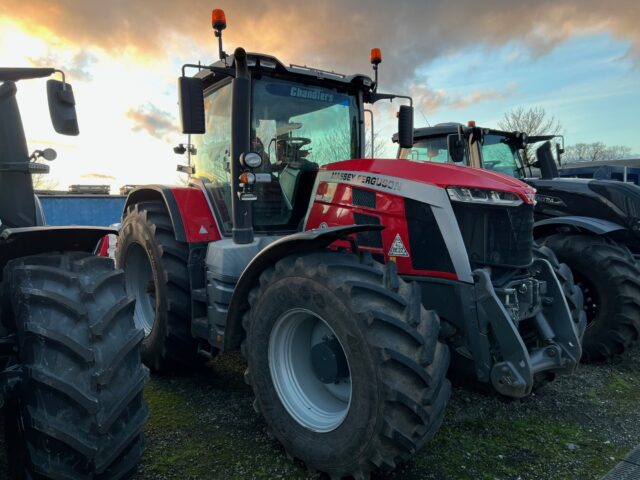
389 96
370 112
64 79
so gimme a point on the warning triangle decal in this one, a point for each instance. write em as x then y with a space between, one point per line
397 248
203 230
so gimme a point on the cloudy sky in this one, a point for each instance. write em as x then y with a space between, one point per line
461 60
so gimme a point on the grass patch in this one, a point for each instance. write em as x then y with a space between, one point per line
528 447
620 392
170 408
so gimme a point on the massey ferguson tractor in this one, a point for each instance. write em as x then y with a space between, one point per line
71 376
593 226
330 276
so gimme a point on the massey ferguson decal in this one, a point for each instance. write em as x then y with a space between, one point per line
366 180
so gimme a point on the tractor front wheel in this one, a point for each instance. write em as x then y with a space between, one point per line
345 363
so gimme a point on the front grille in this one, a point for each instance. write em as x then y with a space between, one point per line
363 198
496 235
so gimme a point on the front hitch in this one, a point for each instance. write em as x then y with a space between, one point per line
559 349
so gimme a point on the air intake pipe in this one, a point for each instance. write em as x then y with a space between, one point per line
242 231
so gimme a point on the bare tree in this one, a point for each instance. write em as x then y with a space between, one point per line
378 146
532 121
43 181
595 152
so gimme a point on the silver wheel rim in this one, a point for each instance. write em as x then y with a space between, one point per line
315 405
139 283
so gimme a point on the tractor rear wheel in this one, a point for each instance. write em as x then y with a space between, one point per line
79 411
610 282
155 266
345 363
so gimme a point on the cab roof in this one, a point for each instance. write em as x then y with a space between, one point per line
270 64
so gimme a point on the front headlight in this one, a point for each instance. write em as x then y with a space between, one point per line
481 195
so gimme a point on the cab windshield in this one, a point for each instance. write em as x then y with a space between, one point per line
432 149
500 155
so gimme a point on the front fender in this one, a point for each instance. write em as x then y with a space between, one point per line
296 243
588 224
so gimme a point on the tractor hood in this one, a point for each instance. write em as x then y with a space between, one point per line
439 174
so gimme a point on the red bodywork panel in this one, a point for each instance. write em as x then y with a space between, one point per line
196 215
390 211
333 203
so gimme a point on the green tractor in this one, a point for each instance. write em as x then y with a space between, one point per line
71 377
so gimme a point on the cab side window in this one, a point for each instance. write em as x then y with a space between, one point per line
212 159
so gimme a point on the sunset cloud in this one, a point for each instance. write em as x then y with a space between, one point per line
429 100
152 120
335 34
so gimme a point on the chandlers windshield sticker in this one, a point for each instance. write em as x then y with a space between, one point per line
307 93
365 179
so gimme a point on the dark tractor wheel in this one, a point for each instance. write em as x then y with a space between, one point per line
610 283
155 266
79 411
345 363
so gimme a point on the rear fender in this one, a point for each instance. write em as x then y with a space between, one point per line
188 208
593 225
297 243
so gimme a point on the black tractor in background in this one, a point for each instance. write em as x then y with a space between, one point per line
591 225
71 378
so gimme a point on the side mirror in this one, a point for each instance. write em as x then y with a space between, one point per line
405 126
191 95
456 148
545 161
62 107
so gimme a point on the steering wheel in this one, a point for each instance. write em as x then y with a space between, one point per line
297 142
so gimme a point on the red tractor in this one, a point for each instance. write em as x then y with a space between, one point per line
279 251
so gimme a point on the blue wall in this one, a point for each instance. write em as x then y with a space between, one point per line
94 210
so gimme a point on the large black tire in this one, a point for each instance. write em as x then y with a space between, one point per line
610 280
396 364
147 243
79 412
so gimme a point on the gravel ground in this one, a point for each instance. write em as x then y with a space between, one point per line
203 427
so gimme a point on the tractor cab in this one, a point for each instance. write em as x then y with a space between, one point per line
299 119
490 149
